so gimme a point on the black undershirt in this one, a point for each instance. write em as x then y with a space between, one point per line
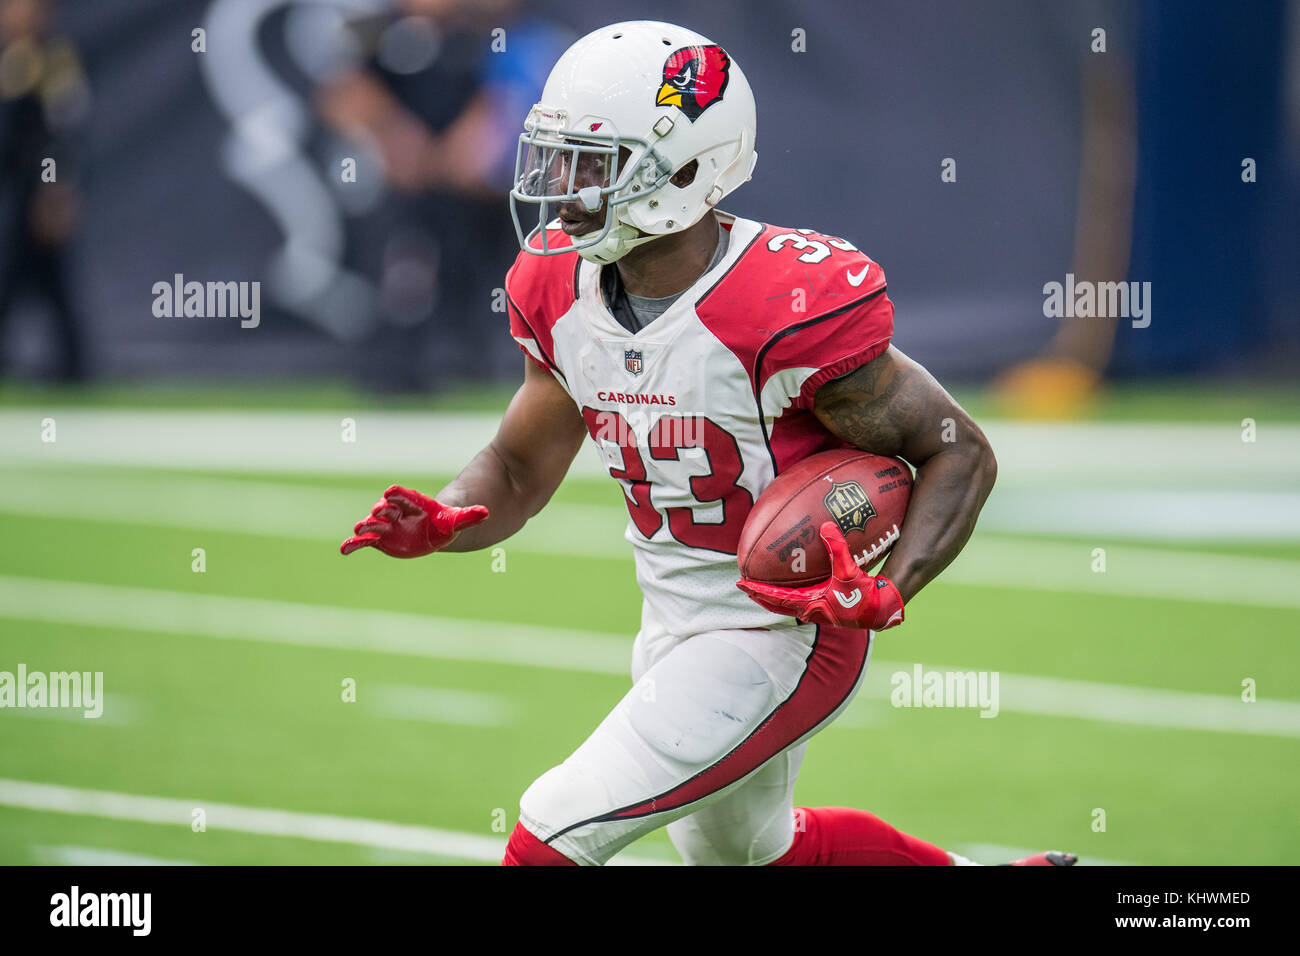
635 312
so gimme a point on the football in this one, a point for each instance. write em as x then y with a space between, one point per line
865 494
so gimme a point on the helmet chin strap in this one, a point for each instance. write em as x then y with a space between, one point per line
616 243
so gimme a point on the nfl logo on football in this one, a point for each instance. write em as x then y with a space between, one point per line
632 361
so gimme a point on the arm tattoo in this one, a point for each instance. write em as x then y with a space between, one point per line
882 406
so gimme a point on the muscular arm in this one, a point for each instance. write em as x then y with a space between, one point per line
519 470
893 406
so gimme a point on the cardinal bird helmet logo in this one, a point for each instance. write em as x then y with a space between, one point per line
695 77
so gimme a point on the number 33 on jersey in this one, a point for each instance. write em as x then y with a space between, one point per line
695 414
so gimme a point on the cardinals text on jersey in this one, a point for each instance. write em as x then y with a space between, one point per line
695 414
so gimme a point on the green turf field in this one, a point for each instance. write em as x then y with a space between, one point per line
1121 693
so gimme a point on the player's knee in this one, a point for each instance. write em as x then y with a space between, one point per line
562 796
696 847
524 849
735 845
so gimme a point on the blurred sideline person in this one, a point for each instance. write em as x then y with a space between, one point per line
1061 380
437 99
43 100
661 328
1160 203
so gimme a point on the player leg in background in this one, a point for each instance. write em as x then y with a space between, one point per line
752 826
714 732
757 825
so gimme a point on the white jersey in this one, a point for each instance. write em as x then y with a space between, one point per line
696 413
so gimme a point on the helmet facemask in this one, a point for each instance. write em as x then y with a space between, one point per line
556 166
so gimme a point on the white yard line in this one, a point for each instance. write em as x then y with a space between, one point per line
420 442
412 443
97 856
1129 480
263 821
117 710
392 841
325 516
1027 694
311 513
1247 512
273 509
392 632
439 705
1137 571
312 625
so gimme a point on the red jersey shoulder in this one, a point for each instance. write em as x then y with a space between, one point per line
539 290
786 276
542 288
799 298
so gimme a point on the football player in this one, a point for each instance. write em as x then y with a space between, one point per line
703 353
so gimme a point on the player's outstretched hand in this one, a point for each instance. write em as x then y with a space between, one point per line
406 524
849 598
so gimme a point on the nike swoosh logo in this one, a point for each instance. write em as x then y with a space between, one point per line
847 600
856 280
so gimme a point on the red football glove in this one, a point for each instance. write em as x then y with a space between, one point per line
406 524
849 598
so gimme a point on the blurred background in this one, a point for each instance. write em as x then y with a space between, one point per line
173 487
227 165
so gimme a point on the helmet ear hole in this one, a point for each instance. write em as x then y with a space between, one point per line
686 175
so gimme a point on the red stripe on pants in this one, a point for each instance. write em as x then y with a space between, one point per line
832 671
524 849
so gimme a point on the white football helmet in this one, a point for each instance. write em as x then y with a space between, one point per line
665 94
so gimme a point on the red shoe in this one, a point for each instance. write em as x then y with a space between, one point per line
1048 858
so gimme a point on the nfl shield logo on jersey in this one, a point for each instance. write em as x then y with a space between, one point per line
632 361
849 506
